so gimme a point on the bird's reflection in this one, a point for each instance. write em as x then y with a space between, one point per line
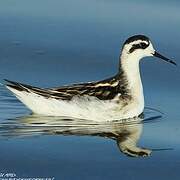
126 133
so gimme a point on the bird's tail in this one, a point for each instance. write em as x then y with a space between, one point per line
11 85
25 93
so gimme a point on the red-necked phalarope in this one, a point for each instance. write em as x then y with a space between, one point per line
118 97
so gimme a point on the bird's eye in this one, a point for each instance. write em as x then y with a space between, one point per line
143 45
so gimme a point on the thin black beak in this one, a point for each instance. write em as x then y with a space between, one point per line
156 54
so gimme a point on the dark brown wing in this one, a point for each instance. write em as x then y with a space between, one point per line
104 90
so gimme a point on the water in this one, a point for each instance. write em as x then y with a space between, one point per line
51 43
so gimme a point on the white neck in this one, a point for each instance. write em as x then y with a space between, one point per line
130 66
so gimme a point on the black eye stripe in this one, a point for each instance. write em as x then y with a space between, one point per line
138 46
143 45
134 47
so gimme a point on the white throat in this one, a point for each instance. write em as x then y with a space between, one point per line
130 66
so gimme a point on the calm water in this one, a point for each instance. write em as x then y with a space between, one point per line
50 43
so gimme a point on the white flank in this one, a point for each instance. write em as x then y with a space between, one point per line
85 107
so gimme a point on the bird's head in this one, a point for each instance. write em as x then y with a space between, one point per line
139 46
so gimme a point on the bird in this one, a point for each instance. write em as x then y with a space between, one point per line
116 98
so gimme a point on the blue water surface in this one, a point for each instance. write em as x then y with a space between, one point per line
50 43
